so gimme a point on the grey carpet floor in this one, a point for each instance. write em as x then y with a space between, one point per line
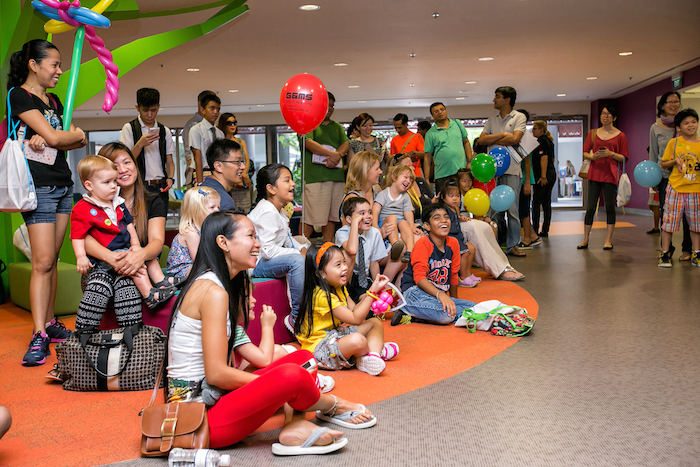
608 377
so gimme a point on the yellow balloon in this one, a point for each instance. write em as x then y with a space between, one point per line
53 26
477 202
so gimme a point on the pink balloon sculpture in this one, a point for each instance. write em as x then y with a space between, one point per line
383 304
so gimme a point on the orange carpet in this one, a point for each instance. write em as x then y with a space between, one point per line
63 428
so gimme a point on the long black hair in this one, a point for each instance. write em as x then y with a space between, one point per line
312 279
37 50
268 175
212 258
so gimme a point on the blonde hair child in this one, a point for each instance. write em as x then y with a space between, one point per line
394 205
197 204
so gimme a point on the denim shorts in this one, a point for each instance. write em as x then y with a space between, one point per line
327 352
51 200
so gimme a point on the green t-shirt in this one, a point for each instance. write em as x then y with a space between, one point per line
447 147
332 135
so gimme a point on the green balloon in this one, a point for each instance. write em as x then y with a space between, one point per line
483 168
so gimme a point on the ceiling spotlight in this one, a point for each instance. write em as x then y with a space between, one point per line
412 85
340 64
436 15
361 102
459 98
353 86
591 78
485 59
411 55
624 54
233 90
193 69
261 105
470 82
561 95
309 7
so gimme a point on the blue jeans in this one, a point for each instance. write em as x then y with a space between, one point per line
422 305
289 266
513 229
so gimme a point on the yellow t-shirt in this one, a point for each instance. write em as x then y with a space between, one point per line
323 318
687 181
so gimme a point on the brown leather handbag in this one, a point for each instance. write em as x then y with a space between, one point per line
172 425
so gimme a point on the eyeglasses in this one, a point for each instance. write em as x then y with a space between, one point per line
240 162
234 122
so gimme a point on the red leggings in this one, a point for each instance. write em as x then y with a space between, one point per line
240 412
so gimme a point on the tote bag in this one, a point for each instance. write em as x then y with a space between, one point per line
17 190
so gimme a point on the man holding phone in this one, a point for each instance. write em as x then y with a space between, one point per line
151 143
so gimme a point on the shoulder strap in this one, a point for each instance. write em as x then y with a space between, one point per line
161 374
407 141
161 145
136 129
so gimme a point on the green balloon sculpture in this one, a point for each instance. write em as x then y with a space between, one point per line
483 168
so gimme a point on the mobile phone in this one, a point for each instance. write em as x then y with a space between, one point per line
154 131
310 365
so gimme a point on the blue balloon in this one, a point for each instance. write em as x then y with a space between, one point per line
502 198
502 158
648 174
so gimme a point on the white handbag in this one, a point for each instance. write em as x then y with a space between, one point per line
17 190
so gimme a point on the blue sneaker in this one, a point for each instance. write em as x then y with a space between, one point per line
38 350
57 331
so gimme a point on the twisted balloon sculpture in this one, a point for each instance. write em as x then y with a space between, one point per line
72 14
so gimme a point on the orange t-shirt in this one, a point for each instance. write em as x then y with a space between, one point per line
416 144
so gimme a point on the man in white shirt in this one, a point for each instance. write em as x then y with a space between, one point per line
196 118
507 129
204 133
151 143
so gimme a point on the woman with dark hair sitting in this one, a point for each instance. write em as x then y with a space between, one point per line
214 299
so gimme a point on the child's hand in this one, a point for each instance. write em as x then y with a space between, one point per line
379 284
356 218
463 219
448 306
387 229
268 316
84 265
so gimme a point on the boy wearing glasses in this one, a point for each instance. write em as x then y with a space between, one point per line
226 161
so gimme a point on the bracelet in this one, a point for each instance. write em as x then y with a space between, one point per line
437 294
372 295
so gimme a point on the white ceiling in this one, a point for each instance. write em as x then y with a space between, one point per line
541 47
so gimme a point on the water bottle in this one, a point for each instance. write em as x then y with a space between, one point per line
197 458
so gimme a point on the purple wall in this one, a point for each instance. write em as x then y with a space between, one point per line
636 114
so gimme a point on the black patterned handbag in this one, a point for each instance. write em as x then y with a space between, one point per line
123 359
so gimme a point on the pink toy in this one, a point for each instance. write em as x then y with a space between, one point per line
383 303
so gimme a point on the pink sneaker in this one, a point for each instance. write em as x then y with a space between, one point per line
390 350
470 281
372 364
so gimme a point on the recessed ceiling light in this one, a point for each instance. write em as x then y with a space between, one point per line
411 55
361 102
261 105
309 7
340 64
561 95
624 54
233 90
412 85
485 59
470 82
353 86
436 15
193 69
459 98
591 78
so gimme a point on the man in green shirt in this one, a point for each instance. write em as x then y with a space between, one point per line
324 177
446 144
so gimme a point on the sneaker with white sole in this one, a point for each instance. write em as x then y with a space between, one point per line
694 259
289 324
372 364
665 259
400 318
325 383
57 331
38 350
390 350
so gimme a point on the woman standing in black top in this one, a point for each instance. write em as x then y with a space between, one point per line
545 175
33 70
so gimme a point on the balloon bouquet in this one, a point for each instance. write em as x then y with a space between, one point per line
65 16
485 194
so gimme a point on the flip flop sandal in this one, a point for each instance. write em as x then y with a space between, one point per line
308 446
163 296
343 418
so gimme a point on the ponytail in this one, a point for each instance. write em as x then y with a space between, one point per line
36 50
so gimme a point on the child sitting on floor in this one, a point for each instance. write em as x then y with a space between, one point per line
466 182
431 273
394 202
103 215
197 204
368 257
326 307
450 197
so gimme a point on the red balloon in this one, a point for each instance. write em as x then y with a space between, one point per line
487 187
304 102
